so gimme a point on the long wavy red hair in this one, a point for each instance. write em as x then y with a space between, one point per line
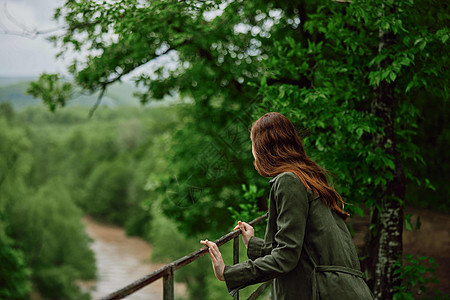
278 148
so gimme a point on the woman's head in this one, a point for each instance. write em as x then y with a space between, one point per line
277 148
275 143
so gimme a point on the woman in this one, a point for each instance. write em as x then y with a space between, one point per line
307 249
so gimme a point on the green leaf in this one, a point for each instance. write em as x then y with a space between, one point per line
408 224
359 132
429 185
393 76
358 210
418 41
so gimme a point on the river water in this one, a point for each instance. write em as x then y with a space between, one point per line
121 260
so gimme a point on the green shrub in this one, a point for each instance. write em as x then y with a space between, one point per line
14 274
47 227
415 273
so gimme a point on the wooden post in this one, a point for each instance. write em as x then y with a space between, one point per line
236 259
168 286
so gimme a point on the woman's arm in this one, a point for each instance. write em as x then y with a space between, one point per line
292 210
257 248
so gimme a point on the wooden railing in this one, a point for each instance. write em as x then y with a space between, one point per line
167 271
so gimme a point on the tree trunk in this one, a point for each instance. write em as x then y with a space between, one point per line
385 240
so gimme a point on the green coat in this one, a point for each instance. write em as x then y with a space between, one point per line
307 250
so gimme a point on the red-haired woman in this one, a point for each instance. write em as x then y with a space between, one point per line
307 249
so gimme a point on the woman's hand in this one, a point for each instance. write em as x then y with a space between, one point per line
247 232
216 259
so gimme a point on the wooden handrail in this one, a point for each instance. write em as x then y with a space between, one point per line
168 270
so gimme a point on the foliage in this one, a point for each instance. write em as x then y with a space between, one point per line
84 161
198 275
106 192
52 92
415 274
15 280
43 221
320 63
47 227
248 208
101 165
336 107
250 48
359 66
14 274
163 36
44 225
409 225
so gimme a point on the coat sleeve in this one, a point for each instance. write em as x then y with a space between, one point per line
257 248
291 203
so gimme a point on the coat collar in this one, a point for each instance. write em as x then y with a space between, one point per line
275 177
309 191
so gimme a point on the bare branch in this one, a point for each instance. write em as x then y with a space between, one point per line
25 31
12 19
97 103
102 93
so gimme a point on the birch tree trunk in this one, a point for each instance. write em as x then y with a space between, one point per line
385 244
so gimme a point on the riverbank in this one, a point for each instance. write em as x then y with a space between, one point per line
120 260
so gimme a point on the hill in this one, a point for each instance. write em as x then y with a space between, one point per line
13 90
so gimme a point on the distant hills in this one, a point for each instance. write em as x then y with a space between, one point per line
13 90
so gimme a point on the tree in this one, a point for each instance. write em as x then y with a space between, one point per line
107 192
14 274
363 66
47 228
42 240
15 280
345 70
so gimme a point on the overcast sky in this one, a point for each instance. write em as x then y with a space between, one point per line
22 56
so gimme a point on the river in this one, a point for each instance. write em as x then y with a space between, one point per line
121 260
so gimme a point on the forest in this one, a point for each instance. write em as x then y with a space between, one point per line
364 82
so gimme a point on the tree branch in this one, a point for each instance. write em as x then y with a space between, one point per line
26 32
99 100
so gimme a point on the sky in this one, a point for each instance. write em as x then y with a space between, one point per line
23 56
